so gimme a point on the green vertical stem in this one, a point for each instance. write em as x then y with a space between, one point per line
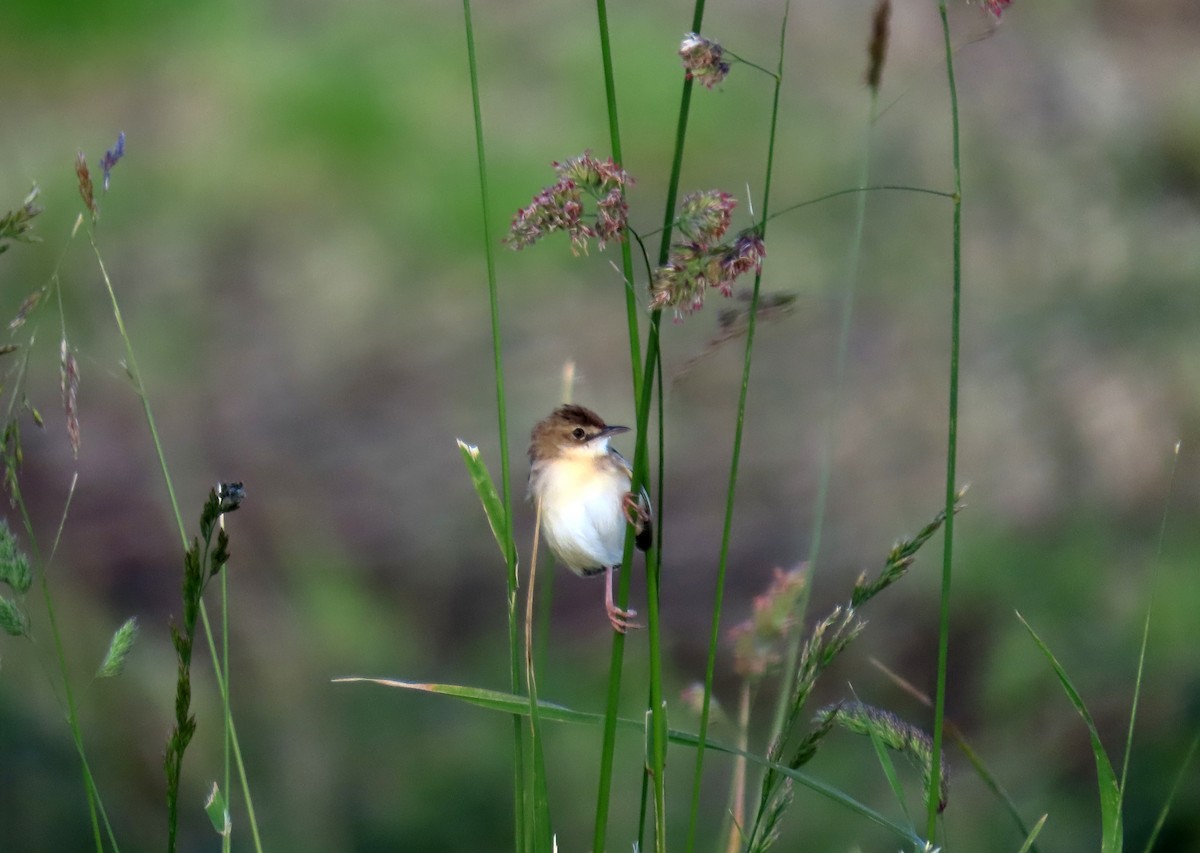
520 803
939 711
614 133
227 715
735 460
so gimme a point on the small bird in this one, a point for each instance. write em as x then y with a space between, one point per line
583 487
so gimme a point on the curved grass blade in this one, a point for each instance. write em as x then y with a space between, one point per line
508 703
493 508
1033 834
1110 789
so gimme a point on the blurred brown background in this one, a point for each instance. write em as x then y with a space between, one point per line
294 236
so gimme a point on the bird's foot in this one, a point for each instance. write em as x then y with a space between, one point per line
635 513
622 620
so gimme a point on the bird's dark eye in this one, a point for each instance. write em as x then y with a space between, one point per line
578 434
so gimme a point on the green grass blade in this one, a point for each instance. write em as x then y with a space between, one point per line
889 771
1162 815
509 703
1110 790
939 702
493 508
1033 834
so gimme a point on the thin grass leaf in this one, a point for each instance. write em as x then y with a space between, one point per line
118 649
1162 815
493 507
508 703
889 771
1110 790
1033 834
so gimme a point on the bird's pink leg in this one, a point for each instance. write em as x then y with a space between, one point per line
619 618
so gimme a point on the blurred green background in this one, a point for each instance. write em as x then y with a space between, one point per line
294 235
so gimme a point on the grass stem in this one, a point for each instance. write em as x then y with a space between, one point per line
939 712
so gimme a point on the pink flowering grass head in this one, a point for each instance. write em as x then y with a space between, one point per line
587 202
758 642
997 7
696 265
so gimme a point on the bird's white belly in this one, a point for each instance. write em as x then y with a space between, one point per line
582 515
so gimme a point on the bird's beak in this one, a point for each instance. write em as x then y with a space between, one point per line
609 431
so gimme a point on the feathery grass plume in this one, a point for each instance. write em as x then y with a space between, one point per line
118 649
702 60
901 556
68 378
561 206
892 732
202 562
877 47
826 641
16 224
86 191
758 641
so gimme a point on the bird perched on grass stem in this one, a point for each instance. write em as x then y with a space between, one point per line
583 487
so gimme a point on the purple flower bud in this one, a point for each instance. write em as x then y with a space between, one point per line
111 157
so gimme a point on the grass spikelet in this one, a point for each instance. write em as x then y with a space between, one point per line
118 649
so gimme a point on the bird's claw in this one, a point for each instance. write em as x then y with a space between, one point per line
635 513
622 619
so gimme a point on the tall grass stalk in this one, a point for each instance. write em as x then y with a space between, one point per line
510 551
135 377
643 379
543 837
939 712
735 459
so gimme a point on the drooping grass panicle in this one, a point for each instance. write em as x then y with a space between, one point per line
894 733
